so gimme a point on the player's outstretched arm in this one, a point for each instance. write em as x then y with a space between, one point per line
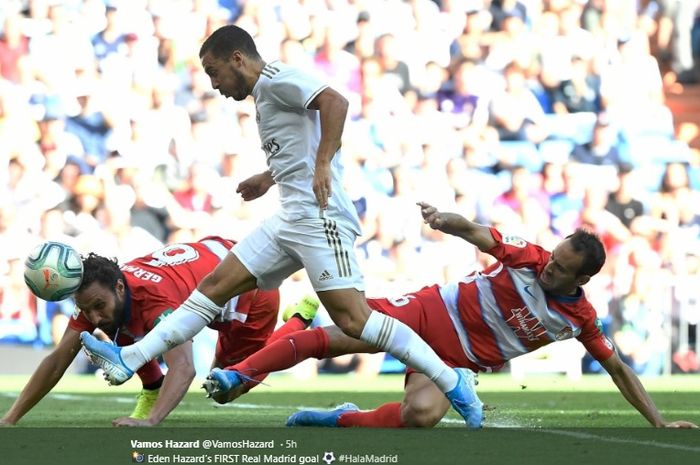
47 374
255 186
632 389
175 385
457 225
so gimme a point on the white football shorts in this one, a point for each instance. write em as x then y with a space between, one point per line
323 246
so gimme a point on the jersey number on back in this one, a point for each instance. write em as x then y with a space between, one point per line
174 254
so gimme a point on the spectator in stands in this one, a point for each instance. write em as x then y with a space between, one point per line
602 149
387 53
17 304
110 40
579 93
623 202
91 125
502 9
14 47
468 97
515 112
642 334
675 201
522 204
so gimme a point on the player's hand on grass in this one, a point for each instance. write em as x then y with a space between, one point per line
128 421
4 422
255 186
680 424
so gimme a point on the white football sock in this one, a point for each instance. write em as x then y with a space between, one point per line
190 318
397 338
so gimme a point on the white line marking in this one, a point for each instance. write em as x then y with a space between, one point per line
578 435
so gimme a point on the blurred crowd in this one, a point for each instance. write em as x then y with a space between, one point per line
537 116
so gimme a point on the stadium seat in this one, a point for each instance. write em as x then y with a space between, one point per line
657 149
519 153
576 127
556 150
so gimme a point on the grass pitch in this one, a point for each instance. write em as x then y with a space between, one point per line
544 419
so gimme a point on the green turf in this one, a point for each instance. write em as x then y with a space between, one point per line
537 420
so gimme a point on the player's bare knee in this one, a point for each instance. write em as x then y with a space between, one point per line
349 325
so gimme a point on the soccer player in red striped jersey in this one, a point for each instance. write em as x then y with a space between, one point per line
128 301
527 299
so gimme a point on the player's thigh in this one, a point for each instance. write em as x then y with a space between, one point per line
229 279
424 404
261 254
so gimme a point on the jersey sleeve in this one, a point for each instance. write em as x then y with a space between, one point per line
516 252
595 342
296 89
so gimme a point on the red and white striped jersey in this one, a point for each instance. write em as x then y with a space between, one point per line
159 282
502 312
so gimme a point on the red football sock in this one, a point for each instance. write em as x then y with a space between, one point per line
292 325
385 416
284 353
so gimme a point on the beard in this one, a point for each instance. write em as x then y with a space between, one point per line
111 328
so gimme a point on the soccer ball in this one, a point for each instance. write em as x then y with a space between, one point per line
53 271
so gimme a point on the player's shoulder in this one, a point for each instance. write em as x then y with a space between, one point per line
275 69
279 73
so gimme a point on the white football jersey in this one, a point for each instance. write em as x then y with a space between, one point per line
290 135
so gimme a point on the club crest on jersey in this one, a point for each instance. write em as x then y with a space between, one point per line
515 241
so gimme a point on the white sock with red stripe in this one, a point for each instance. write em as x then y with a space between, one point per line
397 338
180 326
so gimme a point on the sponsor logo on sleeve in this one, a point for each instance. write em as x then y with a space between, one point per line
515 241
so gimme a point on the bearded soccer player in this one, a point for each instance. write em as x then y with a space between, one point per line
527 299
129 301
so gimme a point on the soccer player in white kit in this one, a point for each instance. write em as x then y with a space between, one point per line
300 121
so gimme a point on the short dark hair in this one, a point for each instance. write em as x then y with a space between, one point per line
226 39
100 269
589 244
